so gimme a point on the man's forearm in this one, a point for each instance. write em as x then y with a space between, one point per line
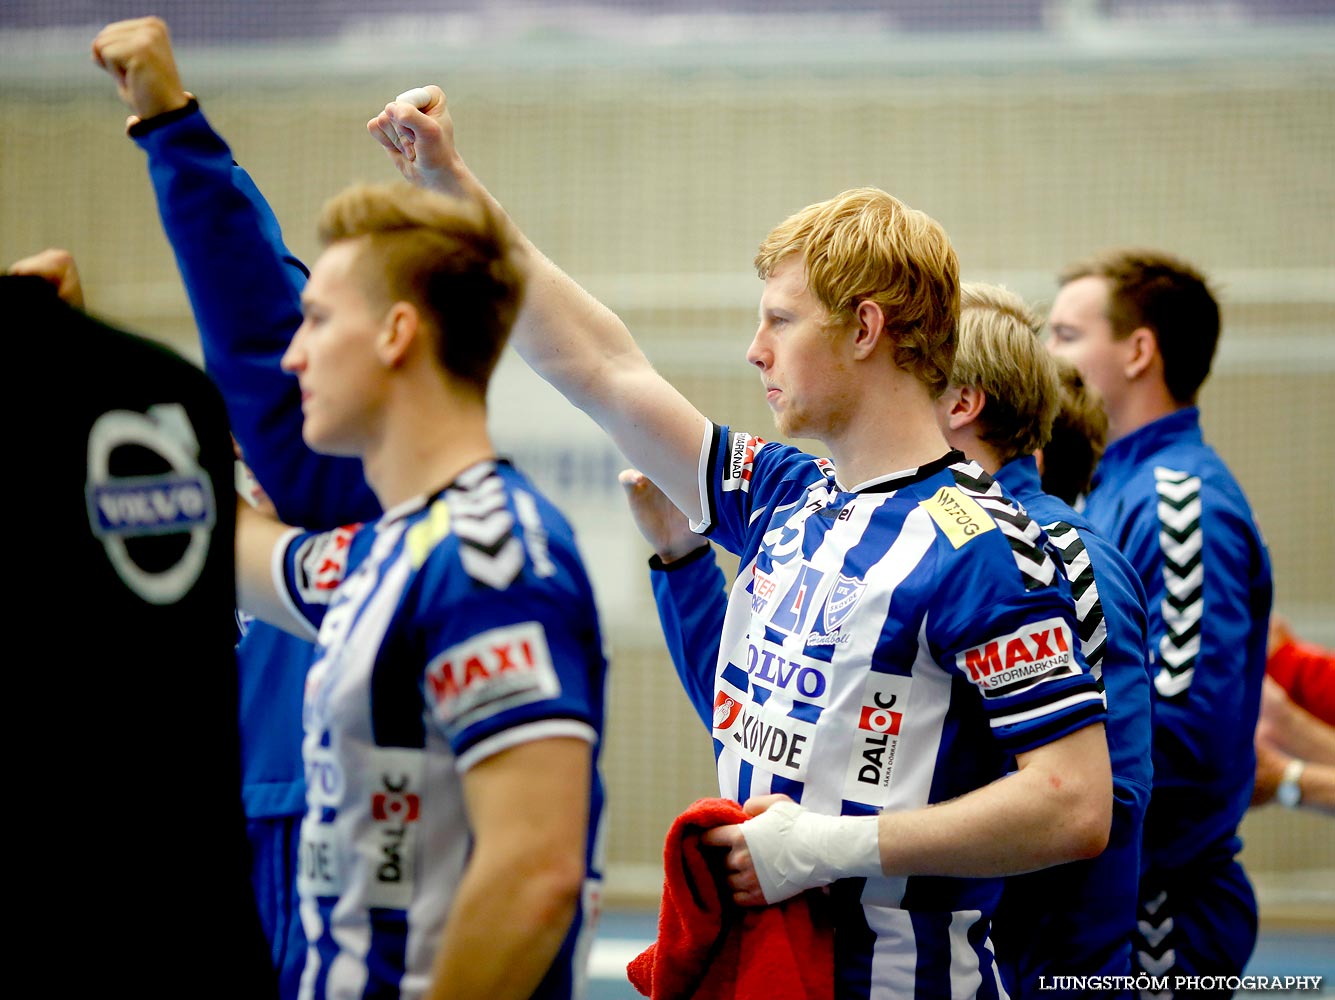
505 928
1054 811
585 351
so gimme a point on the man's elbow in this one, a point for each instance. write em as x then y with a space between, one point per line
554 888
1090 821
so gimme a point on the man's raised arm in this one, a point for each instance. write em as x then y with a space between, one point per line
568 337
243 282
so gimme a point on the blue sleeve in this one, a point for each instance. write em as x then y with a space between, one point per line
510 666
1208 617
746 479
1124 664
245 290
692 600
313 565
1017 643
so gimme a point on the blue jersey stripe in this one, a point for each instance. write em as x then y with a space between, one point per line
931 932
325 947
387 957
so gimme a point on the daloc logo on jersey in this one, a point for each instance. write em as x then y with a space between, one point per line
394 807
397 806
390 846
880 720
876 743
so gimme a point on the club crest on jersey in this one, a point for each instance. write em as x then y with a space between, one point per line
1022 658
125 512
742 450
321 561
491 672
844 597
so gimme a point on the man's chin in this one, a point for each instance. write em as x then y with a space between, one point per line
325 444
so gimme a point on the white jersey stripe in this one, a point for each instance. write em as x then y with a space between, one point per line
1048 708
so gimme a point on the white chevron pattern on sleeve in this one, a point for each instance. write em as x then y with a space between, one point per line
1180 539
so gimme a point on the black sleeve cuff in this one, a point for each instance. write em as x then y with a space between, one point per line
147 125
695 555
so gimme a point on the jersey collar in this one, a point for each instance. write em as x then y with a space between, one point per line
898 480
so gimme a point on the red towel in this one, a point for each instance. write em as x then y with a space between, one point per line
709 948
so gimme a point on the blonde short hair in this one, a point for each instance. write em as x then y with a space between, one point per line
1000 352
867 245
450 257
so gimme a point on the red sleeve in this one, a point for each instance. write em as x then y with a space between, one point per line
1307 673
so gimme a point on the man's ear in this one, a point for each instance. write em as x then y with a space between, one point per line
964 405
1142 352
870 328
401 328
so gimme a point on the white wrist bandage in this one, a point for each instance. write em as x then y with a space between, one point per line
794 849
418 97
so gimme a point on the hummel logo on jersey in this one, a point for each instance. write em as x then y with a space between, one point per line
489 550
1026 538
1181 540
1084 591
1010 663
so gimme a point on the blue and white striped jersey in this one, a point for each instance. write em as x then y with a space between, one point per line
456 626
887 647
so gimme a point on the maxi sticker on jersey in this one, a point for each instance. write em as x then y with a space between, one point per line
491 672
1021 659
321 560
764 734
741 458
876 741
